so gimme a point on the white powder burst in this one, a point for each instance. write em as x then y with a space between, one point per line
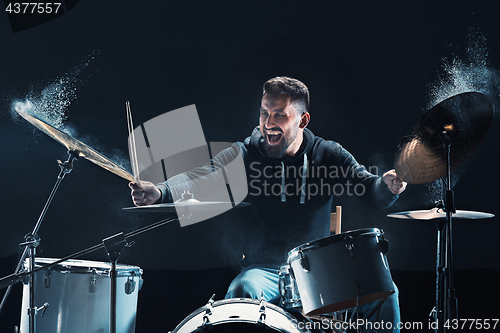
473 74
51 102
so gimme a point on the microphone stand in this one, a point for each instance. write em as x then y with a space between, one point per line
32 241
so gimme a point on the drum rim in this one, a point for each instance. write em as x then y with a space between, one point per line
226 301
293 254
80 266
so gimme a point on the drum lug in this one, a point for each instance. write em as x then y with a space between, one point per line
208 312
93 281
291 272
349 246
141 282
303 261
262 310
47 279
130 284
384 244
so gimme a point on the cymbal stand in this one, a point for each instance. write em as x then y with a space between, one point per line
32 241
446 302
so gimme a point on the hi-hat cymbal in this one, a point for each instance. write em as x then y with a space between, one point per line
465 117
438 213
192 205
77 146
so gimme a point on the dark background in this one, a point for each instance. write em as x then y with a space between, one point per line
371 68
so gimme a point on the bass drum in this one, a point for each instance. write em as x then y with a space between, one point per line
239 315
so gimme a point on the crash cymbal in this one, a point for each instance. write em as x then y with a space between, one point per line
78 147
438 213
465 117
192 205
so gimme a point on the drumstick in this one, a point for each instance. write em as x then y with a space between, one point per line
131 145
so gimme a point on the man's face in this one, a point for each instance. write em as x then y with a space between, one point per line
279 125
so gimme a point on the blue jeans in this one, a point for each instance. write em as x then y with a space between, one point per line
255 280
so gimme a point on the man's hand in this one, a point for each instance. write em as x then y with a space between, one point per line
145 193
393 182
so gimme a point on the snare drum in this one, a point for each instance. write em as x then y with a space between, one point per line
239 315
335 272
290 298
78 293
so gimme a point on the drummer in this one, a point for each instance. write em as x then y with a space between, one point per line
292 177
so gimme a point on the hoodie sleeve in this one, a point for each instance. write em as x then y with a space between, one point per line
375 191
201 181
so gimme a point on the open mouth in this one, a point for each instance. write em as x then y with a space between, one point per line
273 137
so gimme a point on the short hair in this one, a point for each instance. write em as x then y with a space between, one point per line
282 85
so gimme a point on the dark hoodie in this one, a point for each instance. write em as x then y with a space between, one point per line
290 197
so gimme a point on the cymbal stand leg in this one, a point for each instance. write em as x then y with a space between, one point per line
32 239
438 311
452 302
32 243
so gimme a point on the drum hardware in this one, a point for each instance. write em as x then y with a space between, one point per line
262 310
383 244
130 285
36 310
47 278
93 281
208 312
349 246
303 261
444 137
287 286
